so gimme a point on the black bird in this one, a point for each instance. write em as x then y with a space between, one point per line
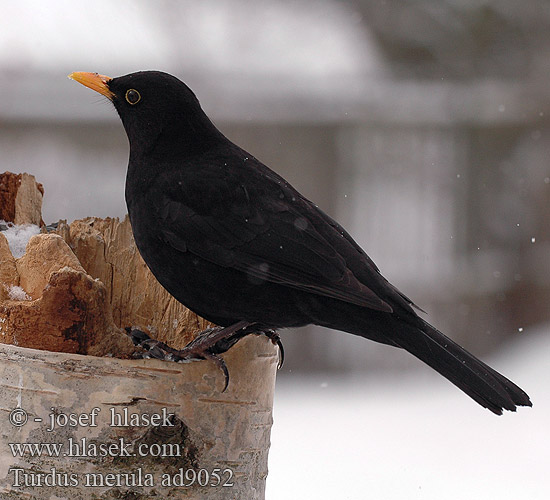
237 244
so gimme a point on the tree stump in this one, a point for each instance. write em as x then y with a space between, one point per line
75 425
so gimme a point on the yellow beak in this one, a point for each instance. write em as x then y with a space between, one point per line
94 81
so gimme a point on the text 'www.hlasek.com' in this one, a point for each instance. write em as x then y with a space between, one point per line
123 447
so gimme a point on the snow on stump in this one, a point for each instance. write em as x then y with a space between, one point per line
78 422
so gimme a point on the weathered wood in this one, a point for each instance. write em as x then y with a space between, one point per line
67 310
8 269
107 251
20 199
82 286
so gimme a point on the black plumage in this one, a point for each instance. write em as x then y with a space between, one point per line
237 244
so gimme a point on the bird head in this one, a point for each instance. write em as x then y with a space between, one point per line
159 112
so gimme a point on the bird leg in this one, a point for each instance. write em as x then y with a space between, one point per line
207 345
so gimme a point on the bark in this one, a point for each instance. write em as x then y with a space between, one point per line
210 432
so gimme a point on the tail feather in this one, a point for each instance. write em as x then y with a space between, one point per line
483 384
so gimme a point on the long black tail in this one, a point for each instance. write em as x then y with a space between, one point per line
483 384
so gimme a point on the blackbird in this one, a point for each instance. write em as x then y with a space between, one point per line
238 245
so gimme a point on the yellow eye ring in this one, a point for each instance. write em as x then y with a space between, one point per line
132 96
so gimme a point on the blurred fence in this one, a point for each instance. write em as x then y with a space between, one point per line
436 160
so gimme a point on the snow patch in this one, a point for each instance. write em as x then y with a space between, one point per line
394 437
17 293
19 236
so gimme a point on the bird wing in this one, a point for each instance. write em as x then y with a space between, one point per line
264 229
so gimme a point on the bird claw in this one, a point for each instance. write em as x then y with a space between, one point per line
220 363
207 345
276 339
154 348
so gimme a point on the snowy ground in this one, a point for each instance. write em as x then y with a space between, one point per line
412 436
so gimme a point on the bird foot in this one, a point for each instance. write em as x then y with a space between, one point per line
208 344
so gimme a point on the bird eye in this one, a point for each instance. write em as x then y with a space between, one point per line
133 96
